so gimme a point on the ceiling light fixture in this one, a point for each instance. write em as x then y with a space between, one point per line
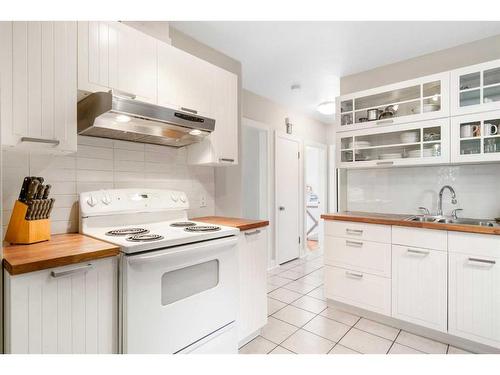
326 108
123 118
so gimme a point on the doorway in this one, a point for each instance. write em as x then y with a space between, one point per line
287 198
315 193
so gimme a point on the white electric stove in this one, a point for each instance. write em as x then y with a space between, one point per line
178 278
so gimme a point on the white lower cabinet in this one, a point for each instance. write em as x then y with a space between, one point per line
443 280
252 251
70 309
474 287
359 289
419 286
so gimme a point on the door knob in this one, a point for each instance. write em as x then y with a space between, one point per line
282 208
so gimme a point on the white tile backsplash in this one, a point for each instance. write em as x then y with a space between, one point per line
105 164
403 190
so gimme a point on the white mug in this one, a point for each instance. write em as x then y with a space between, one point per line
469 130
490 129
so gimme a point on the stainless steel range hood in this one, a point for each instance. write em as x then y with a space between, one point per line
103 114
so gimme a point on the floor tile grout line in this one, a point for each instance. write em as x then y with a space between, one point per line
345 335
393 342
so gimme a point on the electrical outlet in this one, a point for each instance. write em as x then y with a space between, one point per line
203 201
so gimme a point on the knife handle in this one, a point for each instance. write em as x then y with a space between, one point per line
29 211
51 206
32 189
39 191
46 191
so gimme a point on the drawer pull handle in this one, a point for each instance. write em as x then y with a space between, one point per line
385 122
252 233
226 160
478 260
194 111
54 142
385 163
419 252
57 274
353 274
353 243
358 232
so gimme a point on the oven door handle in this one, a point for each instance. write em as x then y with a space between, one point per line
196 248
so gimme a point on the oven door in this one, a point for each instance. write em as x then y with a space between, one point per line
175 297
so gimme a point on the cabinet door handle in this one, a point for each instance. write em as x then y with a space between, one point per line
353 243
57 274
227 160
419 252
252 233
478 260
189 110
54 142
123 94
358 232
385 122
385 163
354 274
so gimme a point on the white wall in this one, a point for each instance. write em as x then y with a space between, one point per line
403 190
104 164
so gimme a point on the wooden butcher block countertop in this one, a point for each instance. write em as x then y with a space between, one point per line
61 250
401 220
241 224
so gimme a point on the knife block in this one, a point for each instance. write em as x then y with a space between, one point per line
22 231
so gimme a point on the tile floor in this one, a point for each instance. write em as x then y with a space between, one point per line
301 322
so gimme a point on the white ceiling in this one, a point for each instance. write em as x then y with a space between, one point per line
277 54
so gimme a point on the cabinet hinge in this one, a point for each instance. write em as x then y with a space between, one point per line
299 239
298 155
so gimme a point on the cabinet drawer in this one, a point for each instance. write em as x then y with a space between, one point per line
362 231
419 237
364 256
474 244
358 289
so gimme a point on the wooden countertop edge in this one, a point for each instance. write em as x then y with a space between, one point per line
413 224
241 224
18 269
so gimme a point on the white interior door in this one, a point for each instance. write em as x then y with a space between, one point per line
288 183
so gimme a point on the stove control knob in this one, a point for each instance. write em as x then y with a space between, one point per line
174 198
91 201
106 199
183 198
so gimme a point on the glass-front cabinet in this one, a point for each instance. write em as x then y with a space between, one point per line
475 88
421 143
476 138
419 99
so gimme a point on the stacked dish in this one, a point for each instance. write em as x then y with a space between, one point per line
361 144
390 156
414 153
409 137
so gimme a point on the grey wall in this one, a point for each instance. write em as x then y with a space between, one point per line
440 61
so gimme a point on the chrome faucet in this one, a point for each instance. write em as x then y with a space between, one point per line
440 201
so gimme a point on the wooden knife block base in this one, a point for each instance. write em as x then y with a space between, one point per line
22 231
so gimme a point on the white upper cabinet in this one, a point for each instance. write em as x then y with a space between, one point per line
421 143
38 70
475 138
113 56
409 101
475 88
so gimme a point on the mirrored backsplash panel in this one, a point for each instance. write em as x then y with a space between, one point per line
403 190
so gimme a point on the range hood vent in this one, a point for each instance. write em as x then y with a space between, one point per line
103 114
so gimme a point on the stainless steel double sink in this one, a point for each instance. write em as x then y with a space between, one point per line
449 220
